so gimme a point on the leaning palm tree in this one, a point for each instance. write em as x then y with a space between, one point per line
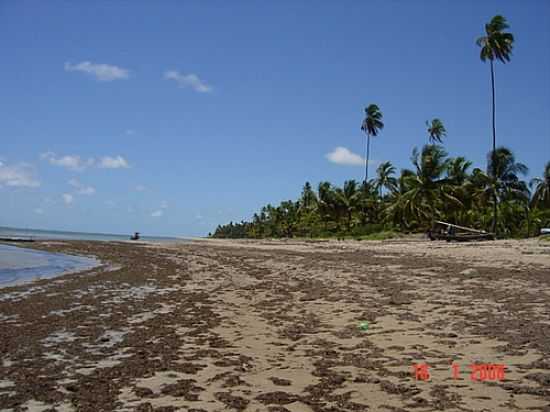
436 131
371 125
496 44
541 195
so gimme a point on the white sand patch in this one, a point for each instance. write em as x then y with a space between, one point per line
6 384
61 336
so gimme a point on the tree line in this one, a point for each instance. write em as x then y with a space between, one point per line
437 187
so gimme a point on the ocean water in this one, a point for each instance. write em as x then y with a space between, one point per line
20 265
59 235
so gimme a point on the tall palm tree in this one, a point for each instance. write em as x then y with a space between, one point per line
496 44
436 131
541 196
385 178
371 125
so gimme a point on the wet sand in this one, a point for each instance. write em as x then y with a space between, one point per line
274 326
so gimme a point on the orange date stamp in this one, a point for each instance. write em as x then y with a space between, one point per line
479 372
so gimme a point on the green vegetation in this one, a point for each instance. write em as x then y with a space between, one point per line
436 131
437 187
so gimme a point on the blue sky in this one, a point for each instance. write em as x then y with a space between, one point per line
171 117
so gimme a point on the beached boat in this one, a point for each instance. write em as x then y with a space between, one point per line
449 232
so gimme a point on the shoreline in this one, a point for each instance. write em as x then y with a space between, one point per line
53 265
274 325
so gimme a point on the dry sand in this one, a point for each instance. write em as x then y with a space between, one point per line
274 326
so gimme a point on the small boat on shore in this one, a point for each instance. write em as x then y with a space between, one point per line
135 236
448 231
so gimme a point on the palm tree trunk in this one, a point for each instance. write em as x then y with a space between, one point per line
495 200
367 159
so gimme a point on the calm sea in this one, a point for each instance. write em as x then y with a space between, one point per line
59 235
19 265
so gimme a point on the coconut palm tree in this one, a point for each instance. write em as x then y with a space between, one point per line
458 177
503 163
326 204
385 178
541 194
287 217
308 200
501 182
457 170
347 200
496 44
372 124
436 131
427 189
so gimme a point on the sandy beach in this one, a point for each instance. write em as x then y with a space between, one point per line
275 326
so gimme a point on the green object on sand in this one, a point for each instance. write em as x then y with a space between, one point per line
364 325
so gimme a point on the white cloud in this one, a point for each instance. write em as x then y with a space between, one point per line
117 162
130 132
198 216
102 72
110 203
82 189
67 198
188 80
77 163
71 162
160 211
343 156
17 176
39 211
140 188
